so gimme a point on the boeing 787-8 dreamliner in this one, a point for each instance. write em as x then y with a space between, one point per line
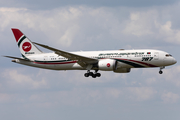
118 61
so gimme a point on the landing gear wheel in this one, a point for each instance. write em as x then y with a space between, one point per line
98 74
86 74
90 73
93 75
160 72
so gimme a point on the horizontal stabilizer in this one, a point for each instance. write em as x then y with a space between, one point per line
16 58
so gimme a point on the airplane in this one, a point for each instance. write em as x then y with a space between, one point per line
118 61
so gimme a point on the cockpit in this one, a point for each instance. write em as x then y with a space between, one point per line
168 55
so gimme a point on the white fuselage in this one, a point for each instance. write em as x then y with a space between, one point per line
125 58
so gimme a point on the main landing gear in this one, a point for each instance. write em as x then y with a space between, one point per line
94 75
160 71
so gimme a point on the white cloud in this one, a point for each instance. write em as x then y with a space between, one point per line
5 98
114 92
141 93
77 97
151 80
4 9
52 23
149 23
141 23
172 75
17 79
74 26
167 33
170 97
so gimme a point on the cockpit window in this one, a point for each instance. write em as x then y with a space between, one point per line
168 55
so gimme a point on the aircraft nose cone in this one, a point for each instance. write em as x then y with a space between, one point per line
174 61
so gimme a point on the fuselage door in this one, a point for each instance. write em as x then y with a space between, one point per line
45 58
156 55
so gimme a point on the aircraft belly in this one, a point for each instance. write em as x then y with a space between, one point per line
68 66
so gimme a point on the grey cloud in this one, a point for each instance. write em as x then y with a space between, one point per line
49 4
44 94
109 95
72 25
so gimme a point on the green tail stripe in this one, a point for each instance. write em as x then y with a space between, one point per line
20 41
24 57
130 63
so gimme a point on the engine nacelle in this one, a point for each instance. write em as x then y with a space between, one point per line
122 70
112 65
107 65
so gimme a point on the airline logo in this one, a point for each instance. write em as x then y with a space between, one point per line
26 46
108 65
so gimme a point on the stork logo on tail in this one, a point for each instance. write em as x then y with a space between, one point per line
26 46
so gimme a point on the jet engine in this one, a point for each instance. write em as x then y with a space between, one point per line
112 65
107 65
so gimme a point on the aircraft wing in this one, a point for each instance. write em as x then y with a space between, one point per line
81 60
17 58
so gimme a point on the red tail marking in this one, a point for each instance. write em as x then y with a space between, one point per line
17 33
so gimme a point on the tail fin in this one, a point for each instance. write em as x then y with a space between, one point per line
26 47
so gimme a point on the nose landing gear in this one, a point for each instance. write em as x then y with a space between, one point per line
160 71
94 75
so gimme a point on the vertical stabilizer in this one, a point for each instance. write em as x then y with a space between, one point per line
26 47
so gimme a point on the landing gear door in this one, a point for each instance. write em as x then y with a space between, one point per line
156 56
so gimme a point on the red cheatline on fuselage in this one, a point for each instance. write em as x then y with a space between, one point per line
55 63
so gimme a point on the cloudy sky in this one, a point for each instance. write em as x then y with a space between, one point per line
28 93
